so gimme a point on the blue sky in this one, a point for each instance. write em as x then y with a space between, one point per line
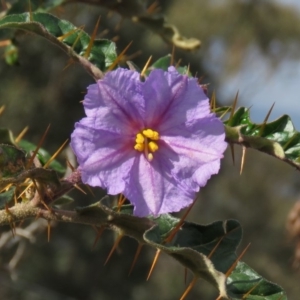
260 86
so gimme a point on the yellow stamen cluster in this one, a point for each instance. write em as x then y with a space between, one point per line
145 141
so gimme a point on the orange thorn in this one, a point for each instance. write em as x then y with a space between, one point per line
29 163
48 231
153 8
188 70
145 67
70 62
137 253
213 101
236 261
215 247
46 165
178 63
76 186
188 289
113 248
224 113
252 289
232 153
179 224
243 160
62 37
91 42
99 233
15 197
262 128
78 36
6 188
2 108
121 201
111 67
25 190
42 201
172 56
233 107
70 166
153 263
21 135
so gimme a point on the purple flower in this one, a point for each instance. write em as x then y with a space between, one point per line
154 141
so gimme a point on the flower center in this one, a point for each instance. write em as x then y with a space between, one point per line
145 141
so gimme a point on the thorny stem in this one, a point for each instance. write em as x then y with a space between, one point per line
24 211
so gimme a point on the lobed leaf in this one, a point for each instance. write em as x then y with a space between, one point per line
7 196
278 138
208 251
12 161
95 56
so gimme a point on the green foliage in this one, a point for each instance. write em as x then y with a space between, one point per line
278 138
94 55
7 196
166 61
209 251
43 156
243 279
6 137
13 163
33 5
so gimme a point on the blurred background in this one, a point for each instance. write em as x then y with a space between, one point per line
250 46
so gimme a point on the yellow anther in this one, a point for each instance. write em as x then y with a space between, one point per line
152 146
151 134
139 138
139 147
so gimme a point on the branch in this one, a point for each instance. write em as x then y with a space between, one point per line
21 211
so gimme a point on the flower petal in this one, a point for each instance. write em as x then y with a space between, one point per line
152 190
172 99
104 157
120 92
199 149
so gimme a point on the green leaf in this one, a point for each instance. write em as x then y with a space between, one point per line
209 251
6 197
44 176
62 201
162 63
74 41
45 5
165 62
13 171
12 161
42 155
11 55
244 280
278 138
